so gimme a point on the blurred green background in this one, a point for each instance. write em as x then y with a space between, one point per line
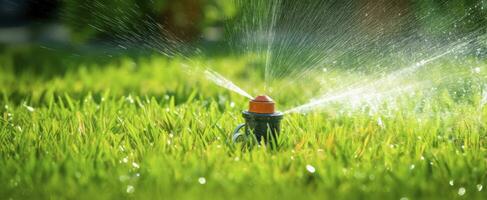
189 18
83 21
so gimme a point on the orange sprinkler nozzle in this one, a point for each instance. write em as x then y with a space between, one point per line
262 105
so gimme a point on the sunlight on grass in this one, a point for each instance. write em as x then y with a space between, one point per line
140 127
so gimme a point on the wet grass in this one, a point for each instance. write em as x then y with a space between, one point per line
142 128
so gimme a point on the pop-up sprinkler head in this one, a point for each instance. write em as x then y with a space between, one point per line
261 121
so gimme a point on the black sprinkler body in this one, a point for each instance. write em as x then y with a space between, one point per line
262 123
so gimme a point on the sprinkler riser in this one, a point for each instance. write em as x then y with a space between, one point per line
264 127
262 122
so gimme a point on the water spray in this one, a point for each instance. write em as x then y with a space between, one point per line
262 122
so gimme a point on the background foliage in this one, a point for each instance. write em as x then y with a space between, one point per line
188 18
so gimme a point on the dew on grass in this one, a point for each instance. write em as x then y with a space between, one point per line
461 191
130 99
380 122
130 189
412 167
202 180
476 70
310 169
125 160
479 187
135 165
232 104
484 98
451 182
403 198
29 108
14 182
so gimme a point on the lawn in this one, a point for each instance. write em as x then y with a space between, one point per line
115 126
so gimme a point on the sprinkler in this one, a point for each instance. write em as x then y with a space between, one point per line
262 122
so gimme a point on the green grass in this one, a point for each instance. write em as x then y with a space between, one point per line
139 127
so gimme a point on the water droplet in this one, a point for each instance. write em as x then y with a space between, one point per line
412 167
135 165
232 104
125 160
310 169
325 69
479 187
461 191
130 99
403 198
380 123
476 70
130 189
202 180
451 182
29 108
